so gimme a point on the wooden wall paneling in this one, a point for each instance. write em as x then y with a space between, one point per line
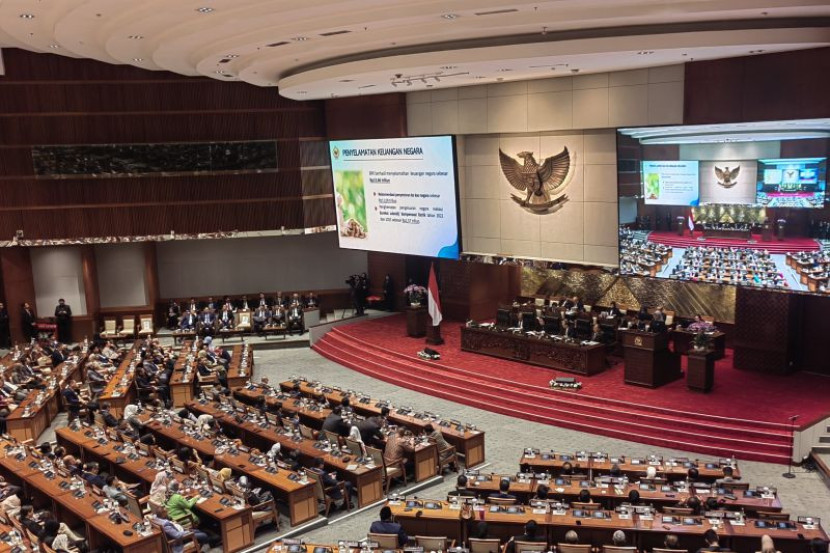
50 99
815 329
768 87
767 324
381 264
18 285
379 116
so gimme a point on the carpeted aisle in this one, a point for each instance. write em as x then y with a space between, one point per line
747 413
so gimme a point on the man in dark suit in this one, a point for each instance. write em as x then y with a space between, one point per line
262 316
263 301
173 313
370 427
59 355
193 306
63 318
530 535
5 335
504 490
109 418
711 539
28 322
206 320
243 304
72 399
461 488
386 525
188 321
330 483
335 423
226 318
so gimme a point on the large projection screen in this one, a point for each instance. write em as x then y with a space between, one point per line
397 195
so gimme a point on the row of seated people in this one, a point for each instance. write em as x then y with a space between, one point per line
814 265
262 319
176 309
748 267
642 257
30 369
390 534
345 427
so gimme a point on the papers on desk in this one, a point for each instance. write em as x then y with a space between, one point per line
201 500
351 467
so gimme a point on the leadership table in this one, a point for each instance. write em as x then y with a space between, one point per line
544 351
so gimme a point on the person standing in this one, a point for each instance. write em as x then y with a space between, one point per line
28 322
5 336
63 318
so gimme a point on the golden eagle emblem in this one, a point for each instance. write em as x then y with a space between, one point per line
541 183
727 178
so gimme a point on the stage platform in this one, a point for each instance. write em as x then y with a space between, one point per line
746 414
774 246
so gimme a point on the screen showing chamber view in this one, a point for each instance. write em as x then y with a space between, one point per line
792 182
738 204
397 195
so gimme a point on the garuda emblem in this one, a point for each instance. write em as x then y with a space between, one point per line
541 183
727 178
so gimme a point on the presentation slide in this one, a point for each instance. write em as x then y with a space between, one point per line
671 183
396 195
792 182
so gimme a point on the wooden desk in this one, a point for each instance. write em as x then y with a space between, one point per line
642 533
73 510
468 441
544 352
120 390
700 371
682 340
367 479
611 496
671 469
43 405
241 366
728 233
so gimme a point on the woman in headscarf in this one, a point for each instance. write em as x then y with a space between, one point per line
354 434
274 453
158 490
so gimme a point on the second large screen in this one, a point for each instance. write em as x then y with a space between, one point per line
396 195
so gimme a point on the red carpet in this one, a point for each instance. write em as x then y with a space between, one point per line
776 246
746 414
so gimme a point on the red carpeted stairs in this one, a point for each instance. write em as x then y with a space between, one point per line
528 398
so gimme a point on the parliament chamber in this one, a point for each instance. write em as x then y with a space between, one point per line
470 277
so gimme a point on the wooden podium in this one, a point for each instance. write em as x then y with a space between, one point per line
701 370
416 322
648 360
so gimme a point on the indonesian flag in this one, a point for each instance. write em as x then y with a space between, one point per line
433 300
691 221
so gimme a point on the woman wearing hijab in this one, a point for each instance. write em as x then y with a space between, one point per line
158 490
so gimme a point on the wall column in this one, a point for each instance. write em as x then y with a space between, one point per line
151 277
18 285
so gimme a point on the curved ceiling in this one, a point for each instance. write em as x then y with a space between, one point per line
324 48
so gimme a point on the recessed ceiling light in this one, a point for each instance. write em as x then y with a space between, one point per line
138 59
300 38
204 9
302 92
504 70
645 52
54 46
27 16
480 77
232 56
448 67
450 16
135 37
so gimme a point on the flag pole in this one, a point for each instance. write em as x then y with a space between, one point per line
434 307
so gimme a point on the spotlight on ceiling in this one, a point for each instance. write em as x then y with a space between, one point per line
27 16
204 9
450 16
